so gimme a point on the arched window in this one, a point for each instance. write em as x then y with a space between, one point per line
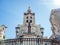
45 43
27 21
16 31
27 17
30 21
31 17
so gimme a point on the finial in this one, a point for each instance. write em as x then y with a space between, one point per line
29 10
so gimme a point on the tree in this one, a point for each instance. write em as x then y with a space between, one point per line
4 37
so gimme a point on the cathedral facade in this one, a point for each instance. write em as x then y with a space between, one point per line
29 33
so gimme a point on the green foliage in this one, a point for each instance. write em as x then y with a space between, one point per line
0 42
4 37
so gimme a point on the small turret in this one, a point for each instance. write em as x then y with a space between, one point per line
2 30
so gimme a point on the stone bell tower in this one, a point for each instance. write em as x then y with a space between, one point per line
29 17
29 29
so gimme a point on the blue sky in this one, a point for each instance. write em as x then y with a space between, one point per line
11 14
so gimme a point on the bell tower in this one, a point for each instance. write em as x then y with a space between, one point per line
29 17
29 29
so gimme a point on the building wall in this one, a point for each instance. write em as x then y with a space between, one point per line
28 42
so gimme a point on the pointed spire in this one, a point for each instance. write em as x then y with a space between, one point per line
29 10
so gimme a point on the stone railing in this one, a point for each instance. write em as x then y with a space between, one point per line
30 41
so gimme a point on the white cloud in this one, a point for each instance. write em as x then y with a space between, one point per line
56 2
52 3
